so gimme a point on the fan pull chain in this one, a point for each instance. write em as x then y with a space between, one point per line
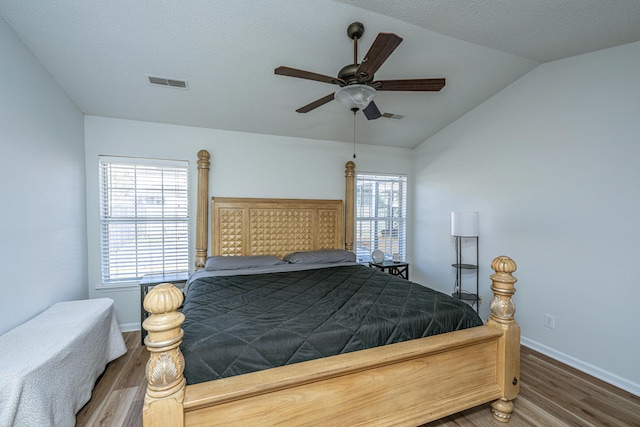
354 132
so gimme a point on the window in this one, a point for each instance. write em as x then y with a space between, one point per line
381 215
144 218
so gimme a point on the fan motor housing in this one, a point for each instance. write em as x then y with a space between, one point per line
348 74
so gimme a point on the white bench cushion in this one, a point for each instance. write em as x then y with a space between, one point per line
49 364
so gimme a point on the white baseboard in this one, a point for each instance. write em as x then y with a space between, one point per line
587 368
129 327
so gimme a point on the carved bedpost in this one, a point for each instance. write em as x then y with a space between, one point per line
165 381
502 311
203 209
350 199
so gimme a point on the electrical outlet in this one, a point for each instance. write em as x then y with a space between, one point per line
549 321
481 298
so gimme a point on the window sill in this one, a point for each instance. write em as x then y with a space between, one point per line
119 287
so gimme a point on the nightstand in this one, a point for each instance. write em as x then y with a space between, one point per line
400 269
148 281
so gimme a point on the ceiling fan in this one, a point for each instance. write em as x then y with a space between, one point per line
358 87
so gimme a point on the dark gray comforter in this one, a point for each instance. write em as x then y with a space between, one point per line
240 324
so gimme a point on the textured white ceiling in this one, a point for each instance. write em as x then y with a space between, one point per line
540 30
101 51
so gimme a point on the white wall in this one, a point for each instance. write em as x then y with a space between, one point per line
42 186
553 165
242 165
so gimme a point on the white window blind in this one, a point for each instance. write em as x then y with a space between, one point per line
144 218
381 215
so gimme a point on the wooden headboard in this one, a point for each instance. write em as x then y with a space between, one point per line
275 226
241 226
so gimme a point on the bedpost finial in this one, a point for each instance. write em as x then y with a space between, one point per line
502 306
163 298
203 159
503 264
350 168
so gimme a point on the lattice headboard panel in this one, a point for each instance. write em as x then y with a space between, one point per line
275 226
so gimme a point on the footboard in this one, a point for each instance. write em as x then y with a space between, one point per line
408 383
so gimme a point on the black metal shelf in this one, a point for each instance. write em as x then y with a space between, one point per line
465 266
465 296
460 293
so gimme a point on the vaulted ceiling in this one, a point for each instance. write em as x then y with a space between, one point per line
102 52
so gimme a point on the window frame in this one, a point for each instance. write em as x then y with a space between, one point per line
170 221
395 238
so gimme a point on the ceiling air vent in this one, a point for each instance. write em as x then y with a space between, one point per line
163 81
393 116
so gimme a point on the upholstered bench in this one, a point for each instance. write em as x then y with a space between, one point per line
49 364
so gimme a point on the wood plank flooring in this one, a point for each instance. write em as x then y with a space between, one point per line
551 394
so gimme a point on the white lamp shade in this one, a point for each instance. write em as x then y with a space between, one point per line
355 96
465 224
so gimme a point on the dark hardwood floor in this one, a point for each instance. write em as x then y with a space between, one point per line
551 394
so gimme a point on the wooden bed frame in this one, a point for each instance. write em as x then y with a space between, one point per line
408 383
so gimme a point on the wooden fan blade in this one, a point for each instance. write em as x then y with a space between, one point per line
424 85
371 112
382 47
315 104
302 74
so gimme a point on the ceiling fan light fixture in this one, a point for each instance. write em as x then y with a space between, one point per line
355 96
